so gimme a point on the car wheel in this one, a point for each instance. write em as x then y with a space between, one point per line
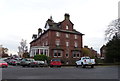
76 65
3 66
51 66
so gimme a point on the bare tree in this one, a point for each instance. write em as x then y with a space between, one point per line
113 29
22 48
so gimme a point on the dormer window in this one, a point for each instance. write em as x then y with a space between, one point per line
67 27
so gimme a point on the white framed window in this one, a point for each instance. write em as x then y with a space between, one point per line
55 53
59 53
76 54
75 36
76 44
67 35
67 27
58 34
67 43
57 42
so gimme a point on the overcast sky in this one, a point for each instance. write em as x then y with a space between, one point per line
19 19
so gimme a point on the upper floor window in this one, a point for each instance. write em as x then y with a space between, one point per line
67 44
76 44
57 34
57 42
75 36
67 27
67 35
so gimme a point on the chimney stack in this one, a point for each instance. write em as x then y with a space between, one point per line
39 31
67 16
34 36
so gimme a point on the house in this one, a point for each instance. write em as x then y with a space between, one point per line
90 52
58 40
103 52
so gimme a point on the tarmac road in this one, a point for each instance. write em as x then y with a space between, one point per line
99 72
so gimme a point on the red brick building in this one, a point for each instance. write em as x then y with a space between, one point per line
58 40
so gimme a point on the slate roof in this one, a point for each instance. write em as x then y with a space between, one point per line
56 27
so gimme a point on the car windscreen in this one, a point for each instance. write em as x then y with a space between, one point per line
55 59
86 58
2 62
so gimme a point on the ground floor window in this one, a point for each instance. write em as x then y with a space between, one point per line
57 53
75 54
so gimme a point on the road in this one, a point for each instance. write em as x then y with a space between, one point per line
99 72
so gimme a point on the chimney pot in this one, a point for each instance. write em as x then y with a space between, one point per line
67 16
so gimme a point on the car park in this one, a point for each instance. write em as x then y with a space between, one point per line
3 64
55 62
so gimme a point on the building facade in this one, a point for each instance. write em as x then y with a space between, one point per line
58 40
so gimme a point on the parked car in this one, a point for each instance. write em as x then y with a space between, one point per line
14 62
18 61
42 63
9 61
85 61
3 64
55 62
28 62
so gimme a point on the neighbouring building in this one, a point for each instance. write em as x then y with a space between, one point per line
91 52
58 40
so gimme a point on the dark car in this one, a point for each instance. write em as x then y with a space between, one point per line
3 64
55 62
28 62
